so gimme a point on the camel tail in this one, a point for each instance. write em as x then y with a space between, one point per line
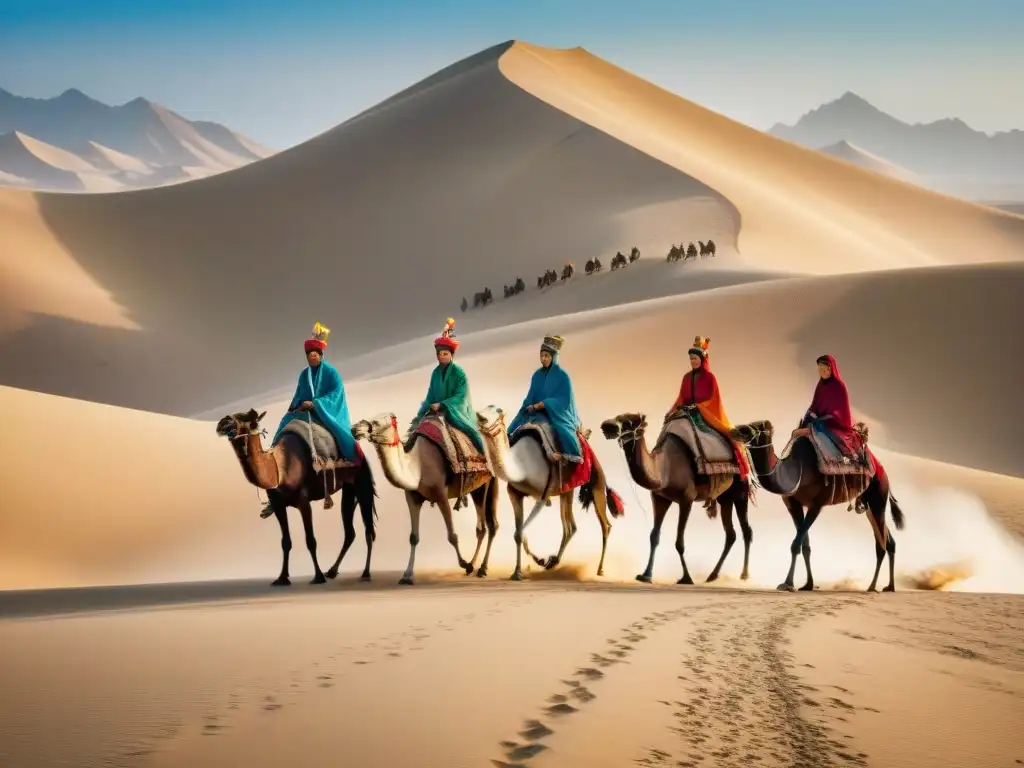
615 505
897 514
366 495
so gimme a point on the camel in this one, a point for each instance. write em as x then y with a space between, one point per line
634 255
801 484
568 271
464 304
619 260
424 474
528 472
550 277
707 249
286 473
670 474
691 252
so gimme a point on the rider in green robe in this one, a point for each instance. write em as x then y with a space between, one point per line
448 392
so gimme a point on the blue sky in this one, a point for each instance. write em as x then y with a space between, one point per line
284 71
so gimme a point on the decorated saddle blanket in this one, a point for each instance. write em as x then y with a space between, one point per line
322 445
463 456
714 454
570 473
544 432
831 459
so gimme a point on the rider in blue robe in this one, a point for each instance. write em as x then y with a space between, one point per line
551 397
320 397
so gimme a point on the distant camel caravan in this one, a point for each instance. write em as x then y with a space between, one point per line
678 253
592 266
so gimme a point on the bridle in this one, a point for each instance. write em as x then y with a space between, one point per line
234 435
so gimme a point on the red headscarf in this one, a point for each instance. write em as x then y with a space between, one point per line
831 403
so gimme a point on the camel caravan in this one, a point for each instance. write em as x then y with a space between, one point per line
451 454
679 253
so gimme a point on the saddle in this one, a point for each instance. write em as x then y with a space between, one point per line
714 454
463 456
831 459
545 432
322 445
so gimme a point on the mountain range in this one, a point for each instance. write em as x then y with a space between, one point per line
73 142
946 155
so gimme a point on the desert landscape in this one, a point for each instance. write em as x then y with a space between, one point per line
137 624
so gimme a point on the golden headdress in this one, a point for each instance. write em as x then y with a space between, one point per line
552 344
319 339
700 346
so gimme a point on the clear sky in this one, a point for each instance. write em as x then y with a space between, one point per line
282 71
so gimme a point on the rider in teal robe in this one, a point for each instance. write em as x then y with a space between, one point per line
449 390
320 385
552 387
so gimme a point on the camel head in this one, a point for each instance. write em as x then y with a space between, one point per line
240 424
756 433
624 426
491 421
381 429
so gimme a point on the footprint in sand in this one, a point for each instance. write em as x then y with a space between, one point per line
590 673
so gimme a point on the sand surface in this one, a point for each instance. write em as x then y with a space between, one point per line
473 675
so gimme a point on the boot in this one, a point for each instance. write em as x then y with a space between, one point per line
328 502
267 511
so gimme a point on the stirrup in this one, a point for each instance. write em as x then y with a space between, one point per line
267 511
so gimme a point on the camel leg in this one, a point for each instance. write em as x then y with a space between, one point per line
348 515
453 537
661 506
891 549
479 497
415 503
568 530
307 524
541 504
281 513
601 505
879 557
491 520
725 503
684 516
801 543
742 507
517 511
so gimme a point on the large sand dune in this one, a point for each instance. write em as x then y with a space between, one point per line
385 222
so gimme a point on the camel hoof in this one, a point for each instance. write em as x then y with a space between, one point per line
332 573
890 588
644 578
871 589
711 578
365 576
786 587
744 576
405 580
686 580
600 571
481 572
319 579
808 587
516 576
468 568
281 581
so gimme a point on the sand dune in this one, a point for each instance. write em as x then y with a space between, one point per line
426 216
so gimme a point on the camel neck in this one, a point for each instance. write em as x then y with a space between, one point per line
260 468
402 470
504 462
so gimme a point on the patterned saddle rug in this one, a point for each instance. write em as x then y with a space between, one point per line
714 454
548 439
463 456
565 478
322 444
831 460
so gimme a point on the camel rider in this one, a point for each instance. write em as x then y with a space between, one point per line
320 397
551 397
700 398
830 414
448 391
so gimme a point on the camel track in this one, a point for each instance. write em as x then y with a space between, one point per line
740 701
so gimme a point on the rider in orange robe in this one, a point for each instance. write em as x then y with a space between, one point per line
699 391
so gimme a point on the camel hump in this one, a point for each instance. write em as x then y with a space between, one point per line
464 458
712 452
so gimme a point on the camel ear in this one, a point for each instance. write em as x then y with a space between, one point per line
260 417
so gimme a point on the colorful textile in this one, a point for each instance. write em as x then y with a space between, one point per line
552 387
323 387
450 389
